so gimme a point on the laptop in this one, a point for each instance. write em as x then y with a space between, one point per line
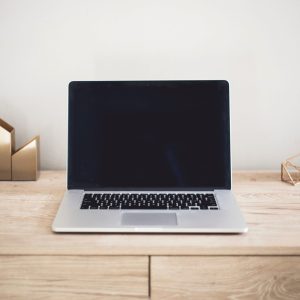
149 156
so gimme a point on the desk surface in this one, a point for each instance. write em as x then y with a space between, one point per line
271 209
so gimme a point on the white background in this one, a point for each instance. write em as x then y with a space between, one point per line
253 44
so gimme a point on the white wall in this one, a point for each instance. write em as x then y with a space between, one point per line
254 44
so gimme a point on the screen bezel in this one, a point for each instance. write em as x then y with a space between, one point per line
82 185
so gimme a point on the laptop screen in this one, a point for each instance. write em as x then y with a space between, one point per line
156 135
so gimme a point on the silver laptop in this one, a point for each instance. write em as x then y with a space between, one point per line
149 156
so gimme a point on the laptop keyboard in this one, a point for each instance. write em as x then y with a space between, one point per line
149 201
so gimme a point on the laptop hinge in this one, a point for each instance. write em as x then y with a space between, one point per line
148 190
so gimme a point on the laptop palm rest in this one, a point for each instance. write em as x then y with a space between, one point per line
146 219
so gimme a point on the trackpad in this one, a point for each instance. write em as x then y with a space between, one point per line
146 219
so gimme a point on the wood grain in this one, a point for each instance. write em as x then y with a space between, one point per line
228 277
73 277
271 209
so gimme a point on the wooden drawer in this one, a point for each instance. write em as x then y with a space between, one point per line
233 277
73 277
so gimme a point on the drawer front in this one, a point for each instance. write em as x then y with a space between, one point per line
261 277
73 277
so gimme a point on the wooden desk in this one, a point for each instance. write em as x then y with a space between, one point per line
262 264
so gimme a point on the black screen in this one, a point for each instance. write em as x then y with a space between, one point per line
149 134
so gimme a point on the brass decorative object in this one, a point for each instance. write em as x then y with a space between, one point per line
290 170
25 161
22 164
7 146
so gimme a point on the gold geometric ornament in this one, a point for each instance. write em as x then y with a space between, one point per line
22 164
25 161
290 170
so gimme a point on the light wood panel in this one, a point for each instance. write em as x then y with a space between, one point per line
271 209
244 277
73 277
36 263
